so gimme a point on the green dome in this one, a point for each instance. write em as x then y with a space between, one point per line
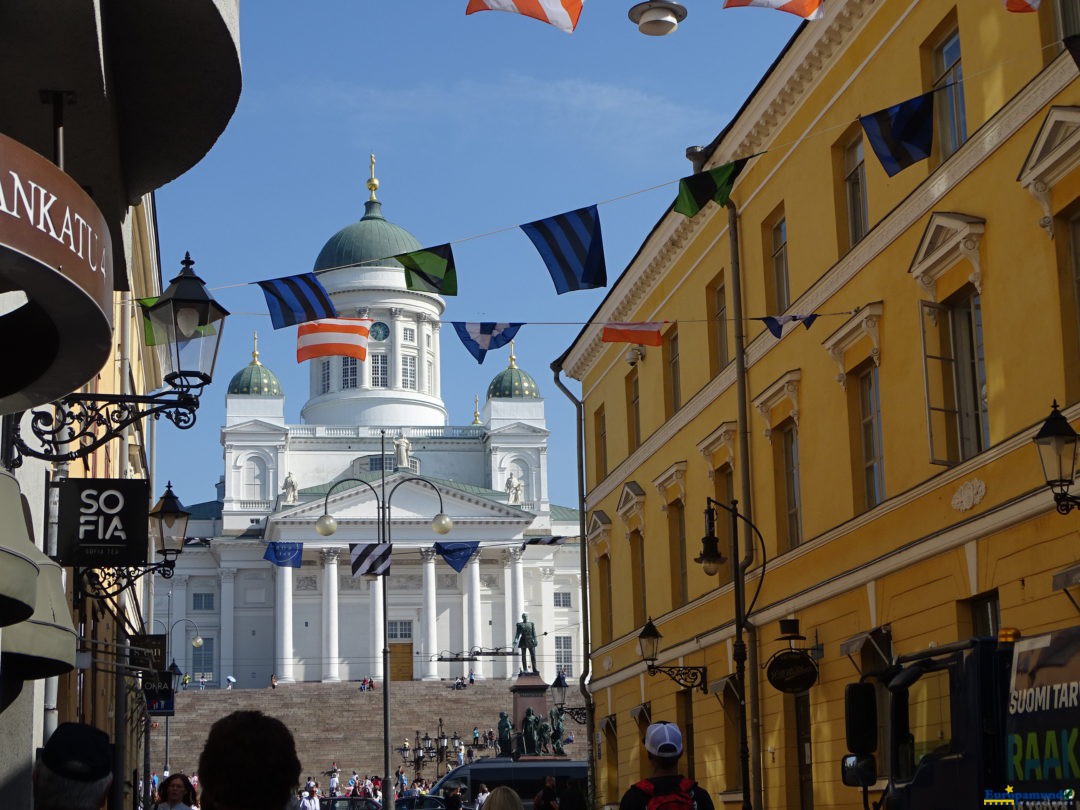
513 383
370 239
255 380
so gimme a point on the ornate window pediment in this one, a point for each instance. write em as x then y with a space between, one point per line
784 389
1054 153
674 477
863 323
632 505
948 238
599 526
721 439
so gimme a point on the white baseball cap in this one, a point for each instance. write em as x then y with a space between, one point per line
663 740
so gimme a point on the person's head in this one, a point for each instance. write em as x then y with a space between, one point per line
74 769
248 742
177 789
663 743
549 781
503 798
483 788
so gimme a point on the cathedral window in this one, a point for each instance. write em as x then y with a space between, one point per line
399 630
348 372
379 371
202 601
255 476
430 382
564 655
562 599
408 371
324 377
408 334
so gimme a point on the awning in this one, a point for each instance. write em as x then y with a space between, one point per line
608 723
878 638
18 556
718 686
1069 578
642 713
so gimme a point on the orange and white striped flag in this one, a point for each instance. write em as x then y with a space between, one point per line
1022 6
807 9
563 14
643 334
333 337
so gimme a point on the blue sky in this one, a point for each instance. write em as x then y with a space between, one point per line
478 123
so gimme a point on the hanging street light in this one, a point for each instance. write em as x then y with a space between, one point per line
1056 442
657 18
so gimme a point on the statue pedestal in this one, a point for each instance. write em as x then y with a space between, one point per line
530 692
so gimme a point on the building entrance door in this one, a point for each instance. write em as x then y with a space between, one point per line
401 661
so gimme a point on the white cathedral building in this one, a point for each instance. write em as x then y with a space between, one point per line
319 623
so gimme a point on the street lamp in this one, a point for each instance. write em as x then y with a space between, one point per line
579 714
184 324
168 528
648 647
1056 442
657 18
175 671
327 525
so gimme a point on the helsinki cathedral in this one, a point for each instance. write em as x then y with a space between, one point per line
381 421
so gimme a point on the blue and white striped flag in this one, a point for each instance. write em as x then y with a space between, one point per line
481 337
370 559
572 247
284 555
296 299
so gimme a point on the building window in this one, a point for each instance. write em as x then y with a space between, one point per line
254 477
677 545
673 393
633 410
564 655
724 492
324 377
600 442
429 383
873 468
955 374
380 377
780 283
348 372
719 325
408 334
399 630
730 704
855 192
202 601
562 599
637 578
985 615
202 661
951 126
408 372
684 714
786 444
604 608
388 462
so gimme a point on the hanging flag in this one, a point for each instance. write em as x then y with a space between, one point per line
563 14
715 184
479 338
544 541
807 9
572 248
338 337
775 323
150 336
644 334
296 299
1022 5
901 135
430 270
457 555
371 559
284 555
1072 44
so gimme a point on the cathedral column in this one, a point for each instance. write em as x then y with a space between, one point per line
178 644
579 638
397 340
509 620
378 628
475 637
331 672
228 617
283 626
423 332
519 585
545 655
430 629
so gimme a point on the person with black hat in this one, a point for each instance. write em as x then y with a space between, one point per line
248 742
74 769
666 789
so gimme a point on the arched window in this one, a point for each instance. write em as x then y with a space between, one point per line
256 480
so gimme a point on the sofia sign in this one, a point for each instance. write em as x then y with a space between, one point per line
792 671
103 522
56 250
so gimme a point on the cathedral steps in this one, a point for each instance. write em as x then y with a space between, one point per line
336 722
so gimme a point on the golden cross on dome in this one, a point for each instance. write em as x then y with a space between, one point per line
373 182
513 357
255 351
476 410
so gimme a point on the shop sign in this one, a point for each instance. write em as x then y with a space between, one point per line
148 651
160 697
792 671
103 522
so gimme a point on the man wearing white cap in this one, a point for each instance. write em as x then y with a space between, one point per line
666 789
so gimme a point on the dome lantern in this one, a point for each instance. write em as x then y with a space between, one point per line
255 379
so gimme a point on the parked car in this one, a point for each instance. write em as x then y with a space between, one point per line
526 777
425 802
348 803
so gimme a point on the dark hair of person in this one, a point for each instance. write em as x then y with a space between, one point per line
248 742
189 789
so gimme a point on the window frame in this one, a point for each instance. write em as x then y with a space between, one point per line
791 485
564 650
678 559
410 379
380 369
557 598
633 409
855 192
778 257
600 442
350 373
950 110
871 458
720 341
324 376
673 372
206 596
202 655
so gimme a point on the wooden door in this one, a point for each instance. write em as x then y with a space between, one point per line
401 661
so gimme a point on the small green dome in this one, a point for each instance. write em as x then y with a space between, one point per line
513 383
255 379
373 237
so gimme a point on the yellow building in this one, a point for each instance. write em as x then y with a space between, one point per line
890 467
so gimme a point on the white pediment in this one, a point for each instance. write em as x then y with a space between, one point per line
948 238
517 428
1054 153
255 426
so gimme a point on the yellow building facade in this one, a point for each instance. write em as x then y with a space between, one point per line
890 465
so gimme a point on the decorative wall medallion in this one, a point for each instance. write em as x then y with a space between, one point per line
349 583
968 495
448 581
307 583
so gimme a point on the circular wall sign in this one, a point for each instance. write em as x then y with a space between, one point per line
792 671
379 331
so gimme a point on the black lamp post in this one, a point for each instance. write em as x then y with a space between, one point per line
184 326
579 714
1056 442
175 676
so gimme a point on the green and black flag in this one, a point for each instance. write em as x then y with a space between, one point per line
430 270
715 184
